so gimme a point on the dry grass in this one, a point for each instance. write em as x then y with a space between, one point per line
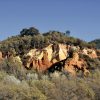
57 86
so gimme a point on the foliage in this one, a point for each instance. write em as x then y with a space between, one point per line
56 86
31 38
91 63
11 67
60 87
96 42
31 31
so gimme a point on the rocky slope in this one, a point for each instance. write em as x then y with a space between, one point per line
49 51
68 55
48 66
56 57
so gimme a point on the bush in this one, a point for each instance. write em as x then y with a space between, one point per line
18 92
2 75
55 87
14 68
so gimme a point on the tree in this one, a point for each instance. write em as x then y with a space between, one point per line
31 31
67 33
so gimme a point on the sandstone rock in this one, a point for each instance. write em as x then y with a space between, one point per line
75 63
93 54
40 61
90 52
49 51
43 59
70 69
62 52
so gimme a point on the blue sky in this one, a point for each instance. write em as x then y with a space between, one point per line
81 17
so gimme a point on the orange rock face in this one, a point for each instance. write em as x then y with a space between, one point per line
75 63
43 59
90 52
44 63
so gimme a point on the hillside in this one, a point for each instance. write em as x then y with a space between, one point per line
32 38
48 66
97 43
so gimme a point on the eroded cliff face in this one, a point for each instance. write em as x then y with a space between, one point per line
46 57
43 59
62 52
90 52
57 57
75 62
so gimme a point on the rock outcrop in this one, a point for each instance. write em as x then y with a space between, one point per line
76 63
90 52
42 59
60 54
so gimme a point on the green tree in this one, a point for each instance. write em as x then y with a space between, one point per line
31 31
67 33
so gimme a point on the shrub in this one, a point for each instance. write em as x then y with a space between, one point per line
2 75
16 92
15 68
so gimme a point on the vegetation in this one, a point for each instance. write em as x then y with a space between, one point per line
31 31
17 83
31 38
96 42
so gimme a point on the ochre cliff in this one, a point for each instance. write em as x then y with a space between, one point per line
56 56
43 59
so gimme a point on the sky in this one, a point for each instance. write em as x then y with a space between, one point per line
81 17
